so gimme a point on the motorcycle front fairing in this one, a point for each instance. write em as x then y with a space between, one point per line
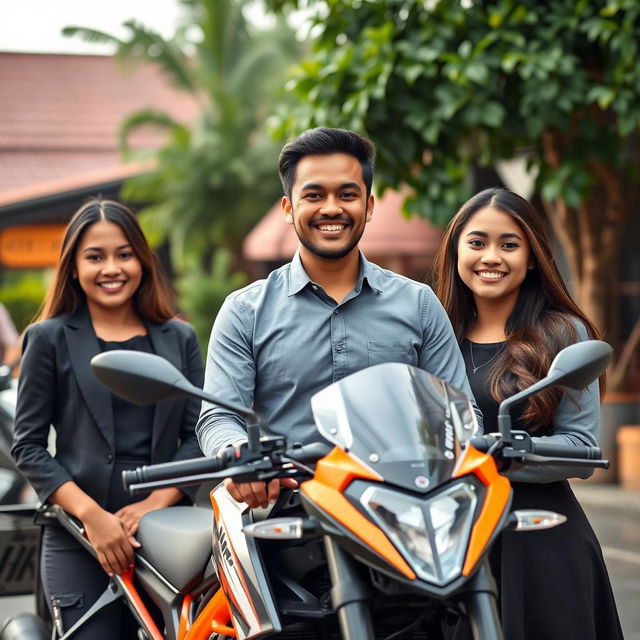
403 490
406 423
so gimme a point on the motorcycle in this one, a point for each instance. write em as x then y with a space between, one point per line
14 489
19 537
387 537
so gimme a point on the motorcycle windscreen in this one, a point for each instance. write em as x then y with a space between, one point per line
406 424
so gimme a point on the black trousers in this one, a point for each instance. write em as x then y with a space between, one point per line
75 580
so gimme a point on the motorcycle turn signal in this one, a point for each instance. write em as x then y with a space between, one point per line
534 519
284 529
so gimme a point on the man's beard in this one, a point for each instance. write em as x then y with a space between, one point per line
330 253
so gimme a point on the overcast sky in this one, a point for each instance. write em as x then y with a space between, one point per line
35 25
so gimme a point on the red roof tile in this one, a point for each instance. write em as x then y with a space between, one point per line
59 114
89 174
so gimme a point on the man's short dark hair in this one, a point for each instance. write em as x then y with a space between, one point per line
324 141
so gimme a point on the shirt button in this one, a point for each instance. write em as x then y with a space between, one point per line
339 347
337 311
314 287
109 457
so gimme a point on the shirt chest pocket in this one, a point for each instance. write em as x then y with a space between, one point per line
380 352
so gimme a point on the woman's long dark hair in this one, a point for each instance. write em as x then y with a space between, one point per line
543 320
152 300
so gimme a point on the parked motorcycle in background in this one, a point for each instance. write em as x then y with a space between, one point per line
14 489
387 537
19 537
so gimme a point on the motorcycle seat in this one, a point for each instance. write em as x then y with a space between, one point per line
176 541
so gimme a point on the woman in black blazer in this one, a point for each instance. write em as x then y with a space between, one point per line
108 293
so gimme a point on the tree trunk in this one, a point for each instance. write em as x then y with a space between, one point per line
590 236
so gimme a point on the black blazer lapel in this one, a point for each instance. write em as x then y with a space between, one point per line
164 341
83 345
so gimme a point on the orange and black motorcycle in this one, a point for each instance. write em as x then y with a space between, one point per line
388 534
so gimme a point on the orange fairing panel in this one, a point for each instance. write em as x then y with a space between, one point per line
185 616
127 583
214 506
495 502
333 474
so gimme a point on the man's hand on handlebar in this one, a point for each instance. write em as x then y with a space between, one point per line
258 494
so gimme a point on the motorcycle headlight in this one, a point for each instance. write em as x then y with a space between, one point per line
432 534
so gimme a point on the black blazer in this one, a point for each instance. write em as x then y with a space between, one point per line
57 387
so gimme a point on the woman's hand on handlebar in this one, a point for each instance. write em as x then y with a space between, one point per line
258 494
111 540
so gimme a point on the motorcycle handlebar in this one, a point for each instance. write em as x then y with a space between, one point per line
566 450
541 448
201 466
170 470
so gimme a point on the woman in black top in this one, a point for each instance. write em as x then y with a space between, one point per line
512 313
108 293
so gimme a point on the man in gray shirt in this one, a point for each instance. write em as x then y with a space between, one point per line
323 316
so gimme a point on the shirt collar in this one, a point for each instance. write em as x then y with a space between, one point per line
371 273
298 278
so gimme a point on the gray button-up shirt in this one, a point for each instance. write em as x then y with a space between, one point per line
280 340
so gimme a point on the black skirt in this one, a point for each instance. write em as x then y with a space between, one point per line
553 584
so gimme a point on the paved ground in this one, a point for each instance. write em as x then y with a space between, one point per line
615 516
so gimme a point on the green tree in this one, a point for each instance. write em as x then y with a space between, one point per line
212 180
202 290
22 295
442 86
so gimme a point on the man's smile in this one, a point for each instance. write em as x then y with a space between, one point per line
331 228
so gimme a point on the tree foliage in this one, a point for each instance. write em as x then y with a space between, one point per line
444 85
23 296
201 290
213 179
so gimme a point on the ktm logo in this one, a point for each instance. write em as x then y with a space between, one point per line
224 546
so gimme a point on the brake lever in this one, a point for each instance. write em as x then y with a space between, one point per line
261 472
266 475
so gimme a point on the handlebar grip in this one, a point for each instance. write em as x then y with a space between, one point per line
169 470
553 449
539 447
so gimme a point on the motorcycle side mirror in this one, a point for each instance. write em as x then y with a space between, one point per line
145 378
575 367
